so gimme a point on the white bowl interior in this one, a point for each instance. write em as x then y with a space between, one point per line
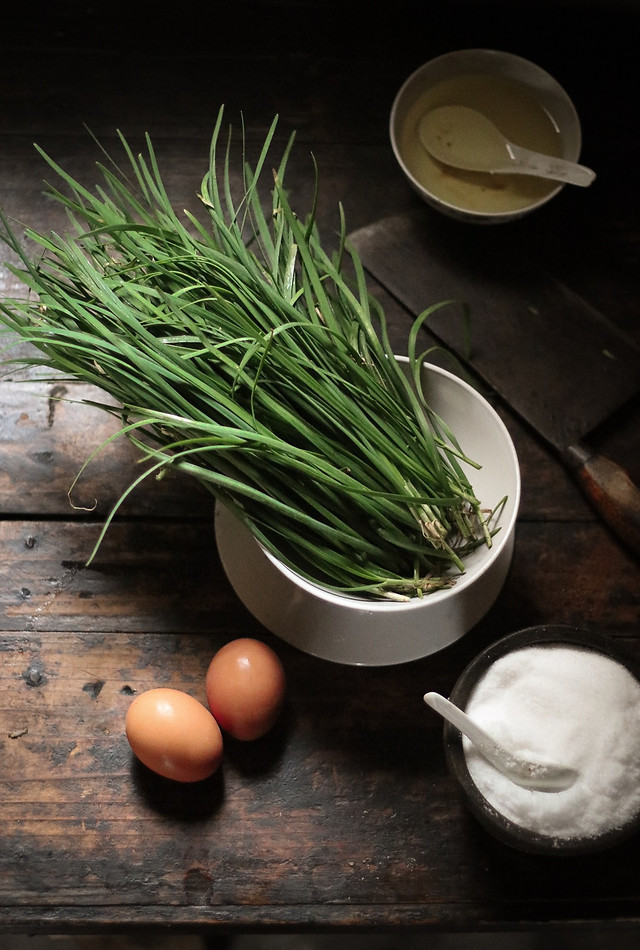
352 630
548 92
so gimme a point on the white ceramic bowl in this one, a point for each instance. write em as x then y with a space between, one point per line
350 630
491 81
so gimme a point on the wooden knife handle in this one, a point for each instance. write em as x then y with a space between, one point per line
611 491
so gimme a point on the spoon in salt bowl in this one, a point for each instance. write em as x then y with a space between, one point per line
541 776
465 138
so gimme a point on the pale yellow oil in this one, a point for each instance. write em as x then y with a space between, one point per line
518 115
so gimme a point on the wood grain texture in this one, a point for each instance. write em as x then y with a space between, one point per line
347 804
344 817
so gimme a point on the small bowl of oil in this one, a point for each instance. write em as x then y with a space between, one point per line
528 106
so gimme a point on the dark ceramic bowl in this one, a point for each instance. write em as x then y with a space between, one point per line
502 828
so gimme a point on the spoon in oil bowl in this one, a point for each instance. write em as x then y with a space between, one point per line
541 776
465 138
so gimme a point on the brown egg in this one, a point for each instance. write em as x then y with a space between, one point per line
245 687
174 735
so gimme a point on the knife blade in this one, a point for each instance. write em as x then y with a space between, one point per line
554 359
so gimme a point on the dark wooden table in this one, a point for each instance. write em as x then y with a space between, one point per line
344 817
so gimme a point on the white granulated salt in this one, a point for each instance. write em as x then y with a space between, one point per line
570 706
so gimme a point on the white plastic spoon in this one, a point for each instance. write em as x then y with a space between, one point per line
465 138
542 776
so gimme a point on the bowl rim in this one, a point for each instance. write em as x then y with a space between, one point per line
503 828
441 204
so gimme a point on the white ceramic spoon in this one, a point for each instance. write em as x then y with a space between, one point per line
465 138
542 776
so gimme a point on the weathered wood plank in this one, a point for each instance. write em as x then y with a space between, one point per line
49 432
167 577
147 576
309 816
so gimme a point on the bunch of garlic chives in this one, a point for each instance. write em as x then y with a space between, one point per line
239 353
